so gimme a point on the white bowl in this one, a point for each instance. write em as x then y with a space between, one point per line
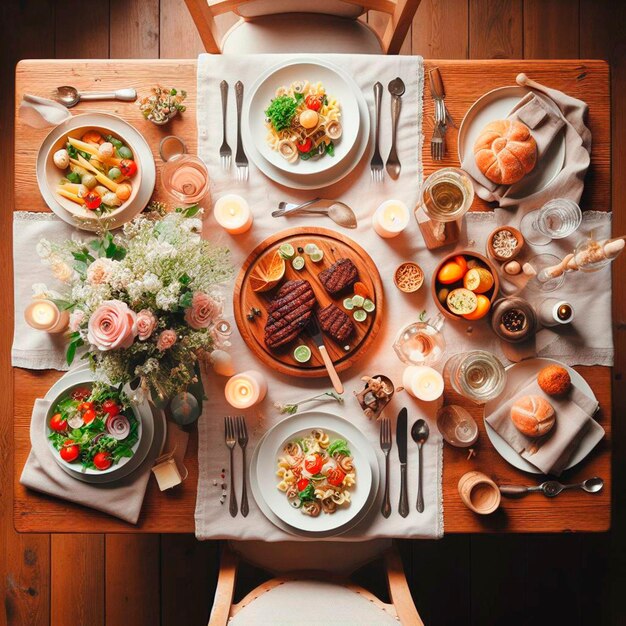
264 90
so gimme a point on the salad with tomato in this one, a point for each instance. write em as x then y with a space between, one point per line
316 473
94 427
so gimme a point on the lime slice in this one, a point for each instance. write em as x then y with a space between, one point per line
359 315
310 248
369 306
317 256
358 301
298 263
286 251
348 304
302 354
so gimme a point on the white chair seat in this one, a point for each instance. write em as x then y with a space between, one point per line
300 32
311 603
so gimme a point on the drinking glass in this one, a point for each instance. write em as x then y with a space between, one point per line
421 343
446 196
554 220
543 280
457 426
186 178
476 375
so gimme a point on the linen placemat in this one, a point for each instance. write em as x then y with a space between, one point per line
122 498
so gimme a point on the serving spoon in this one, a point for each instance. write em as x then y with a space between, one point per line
552 488
70 96
419 433
338 211
396 88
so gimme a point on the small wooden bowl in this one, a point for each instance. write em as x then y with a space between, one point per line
419 280
520 244
492 294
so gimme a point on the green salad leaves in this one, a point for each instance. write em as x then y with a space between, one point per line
339 446
281 112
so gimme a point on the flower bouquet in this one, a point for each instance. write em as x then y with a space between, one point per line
144 302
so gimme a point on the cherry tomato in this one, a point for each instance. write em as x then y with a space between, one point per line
335 476
102 460
92 200
313 103
305 146
80 393
57 423
313 463
128 167
302 484
86 406
111 407
89 416
70 451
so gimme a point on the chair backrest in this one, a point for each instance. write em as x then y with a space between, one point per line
400 14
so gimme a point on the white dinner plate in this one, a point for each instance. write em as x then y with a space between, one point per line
82 376
496 105
141 151
516 375
337 172
275 504
264 90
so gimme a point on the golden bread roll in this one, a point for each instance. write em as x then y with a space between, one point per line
533 416
505 151
554 380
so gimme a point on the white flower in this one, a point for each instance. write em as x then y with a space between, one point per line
44 249
61 271
99 272
151 282
193 225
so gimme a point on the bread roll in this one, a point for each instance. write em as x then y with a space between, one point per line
505 151
533 416
554 380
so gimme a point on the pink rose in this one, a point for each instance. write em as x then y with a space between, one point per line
166 340
202 312
76 319
112 325
146 323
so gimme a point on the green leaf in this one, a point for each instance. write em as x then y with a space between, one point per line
73 177
71 353
184 302
64 305
185 279
307 494
191 211
281 111
330 149
339 446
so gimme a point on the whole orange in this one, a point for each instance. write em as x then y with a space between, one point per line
482 308
450 273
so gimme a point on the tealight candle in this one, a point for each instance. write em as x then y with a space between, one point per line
423 382
246 389
45 315
233 214
390 218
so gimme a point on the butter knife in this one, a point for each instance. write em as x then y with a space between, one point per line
401 442
316 335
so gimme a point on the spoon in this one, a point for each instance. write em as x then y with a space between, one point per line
338 211
552 488
419 433
396 89
70 96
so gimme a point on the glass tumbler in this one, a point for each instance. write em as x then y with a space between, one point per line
554 220
476 375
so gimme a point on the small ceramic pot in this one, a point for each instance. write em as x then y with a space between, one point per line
479 493
520 244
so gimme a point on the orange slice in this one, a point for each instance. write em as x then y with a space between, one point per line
483 305
268 272
478 280
360 290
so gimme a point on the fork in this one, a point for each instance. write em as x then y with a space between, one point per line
437 145
376 164
242 436
241 160
385 446
225 151
231 441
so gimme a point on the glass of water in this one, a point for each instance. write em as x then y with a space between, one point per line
477 375
554 220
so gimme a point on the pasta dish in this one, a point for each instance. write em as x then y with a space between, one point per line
316 474
303 122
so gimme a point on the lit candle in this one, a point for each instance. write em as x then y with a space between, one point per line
246 389
423 382
233 214
390 218
45 315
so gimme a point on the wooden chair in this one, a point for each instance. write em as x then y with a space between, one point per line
331 597
282 26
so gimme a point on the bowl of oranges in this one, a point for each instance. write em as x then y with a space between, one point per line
465 285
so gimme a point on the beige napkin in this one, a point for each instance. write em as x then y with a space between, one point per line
122 498
40 112
551 453
546 112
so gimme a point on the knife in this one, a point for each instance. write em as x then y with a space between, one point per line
401 439
316 335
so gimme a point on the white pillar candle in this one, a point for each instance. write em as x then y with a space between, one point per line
390 218
45 315
233 214
423 382
246 389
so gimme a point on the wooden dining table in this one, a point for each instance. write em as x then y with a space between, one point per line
465 82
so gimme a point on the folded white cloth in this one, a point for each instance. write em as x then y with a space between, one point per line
40 112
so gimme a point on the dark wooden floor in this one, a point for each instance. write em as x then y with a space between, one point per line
128 580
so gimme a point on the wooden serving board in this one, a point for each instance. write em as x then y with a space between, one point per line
335 246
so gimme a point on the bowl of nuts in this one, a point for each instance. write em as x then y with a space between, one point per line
504 243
